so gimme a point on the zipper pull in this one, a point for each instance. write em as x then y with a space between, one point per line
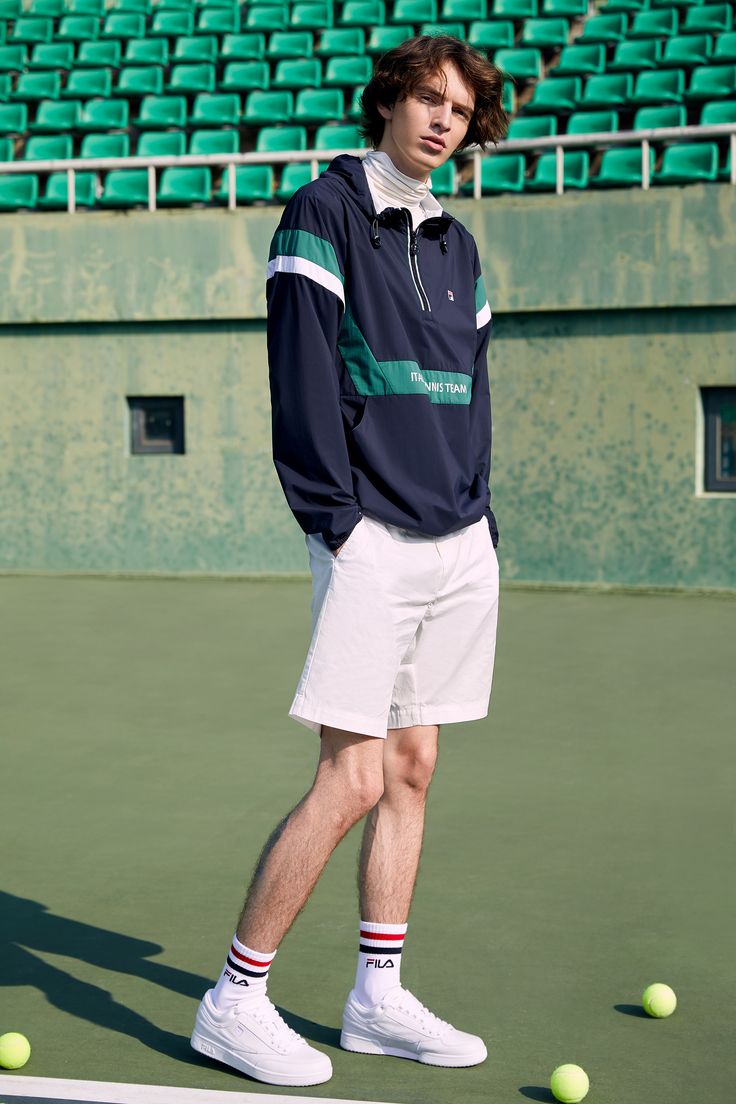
413 246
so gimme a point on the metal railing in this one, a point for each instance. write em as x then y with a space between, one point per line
559 143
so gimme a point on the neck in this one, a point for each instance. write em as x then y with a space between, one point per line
394 187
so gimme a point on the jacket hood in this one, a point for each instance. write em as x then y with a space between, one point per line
348 174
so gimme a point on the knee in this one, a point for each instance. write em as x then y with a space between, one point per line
411 767
352 793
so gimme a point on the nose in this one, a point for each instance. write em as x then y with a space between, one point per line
443 116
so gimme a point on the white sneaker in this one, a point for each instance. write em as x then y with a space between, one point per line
401 1026
255 1040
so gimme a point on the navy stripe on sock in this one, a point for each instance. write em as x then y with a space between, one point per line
380 951
242 970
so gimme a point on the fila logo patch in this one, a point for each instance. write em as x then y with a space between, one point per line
235 980
378 965
450 296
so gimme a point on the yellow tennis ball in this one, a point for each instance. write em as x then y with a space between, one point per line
659 1000
569 1083
15 1050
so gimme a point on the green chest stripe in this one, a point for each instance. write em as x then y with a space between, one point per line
480 294
300 243
396 377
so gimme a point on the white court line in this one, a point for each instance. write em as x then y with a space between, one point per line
116 1092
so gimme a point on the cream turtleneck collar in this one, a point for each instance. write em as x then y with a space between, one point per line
391 188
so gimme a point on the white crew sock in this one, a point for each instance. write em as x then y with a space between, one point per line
379 960
244 976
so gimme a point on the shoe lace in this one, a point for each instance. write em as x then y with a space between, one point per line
418 1011
267 1015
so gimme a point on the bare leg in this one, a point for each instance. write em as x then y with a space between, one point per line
394 828
348 782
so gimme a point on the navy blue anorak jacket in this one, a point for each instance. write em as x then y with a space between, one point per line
377 338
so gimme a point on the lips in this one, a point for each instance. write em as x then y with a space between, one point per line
436 143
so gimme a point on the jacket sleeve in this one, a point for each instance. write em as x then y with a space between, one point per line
305 303
480 402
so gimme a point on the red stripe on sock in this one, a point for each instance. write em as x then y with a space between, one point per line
250 961
379 935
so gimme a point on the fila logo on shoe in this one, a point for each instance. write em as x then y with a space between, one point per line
378 965
235 980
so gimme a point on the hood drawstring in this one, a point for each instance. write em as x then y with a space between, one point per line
443 242
375 236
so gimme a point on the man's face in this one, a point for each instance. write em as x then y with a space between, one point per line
412 123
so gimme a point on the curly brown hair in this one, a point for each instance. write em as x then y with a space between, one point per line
398 72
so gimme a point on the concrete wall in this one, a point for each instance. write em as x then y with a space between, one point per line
610 311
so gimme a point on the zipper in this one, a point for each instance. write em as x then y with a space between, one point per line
412 247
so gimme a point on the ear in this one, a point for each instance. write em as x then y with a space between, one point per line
385 112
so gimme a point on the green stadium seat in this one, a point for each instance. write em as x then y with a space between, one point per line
48 147
298 74
163 143
575 171
185 186
338 136
293 177
354 112
281 139
455 29
545 34
508 96
382 39
366 13
86 7
571 9
444 179
100 54
175 5
228 4
253 183
135 7
556 97
10 9
289 44
13 59
711 114
194 48
162 112
649 118
532 126
6 149
346 72
244 76
655 23
53 116
37 86
520 64
503 172
486 34
319 105
592 122
17 192
146 51
28 31
192 79
6 87
580 61
636 55
124 25
55 197
138 81
98 115
626 6
621 168
87 83
708 19
249 46
606 28
46 55
14 118
49 9
517 10
608 90
464 10
125 188
687 51
218 21
214 141
313 15
665 86
688 163
262 108
217 109
172 24
263 17
412 11
105 145
341 42
725 47
77 28
710 82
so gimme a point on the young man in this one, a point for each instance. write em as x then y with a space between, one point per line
378 327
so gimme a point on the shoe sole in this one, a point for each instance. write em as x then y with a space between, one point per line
368 1046
212 1049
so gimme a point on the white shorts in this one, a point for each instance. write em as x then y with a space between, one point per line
403 629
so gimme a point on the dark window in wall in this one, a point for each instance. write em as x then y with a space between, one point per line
156 423
719 413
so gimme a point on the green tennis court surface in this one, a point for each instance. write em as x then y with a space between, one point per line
579 843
